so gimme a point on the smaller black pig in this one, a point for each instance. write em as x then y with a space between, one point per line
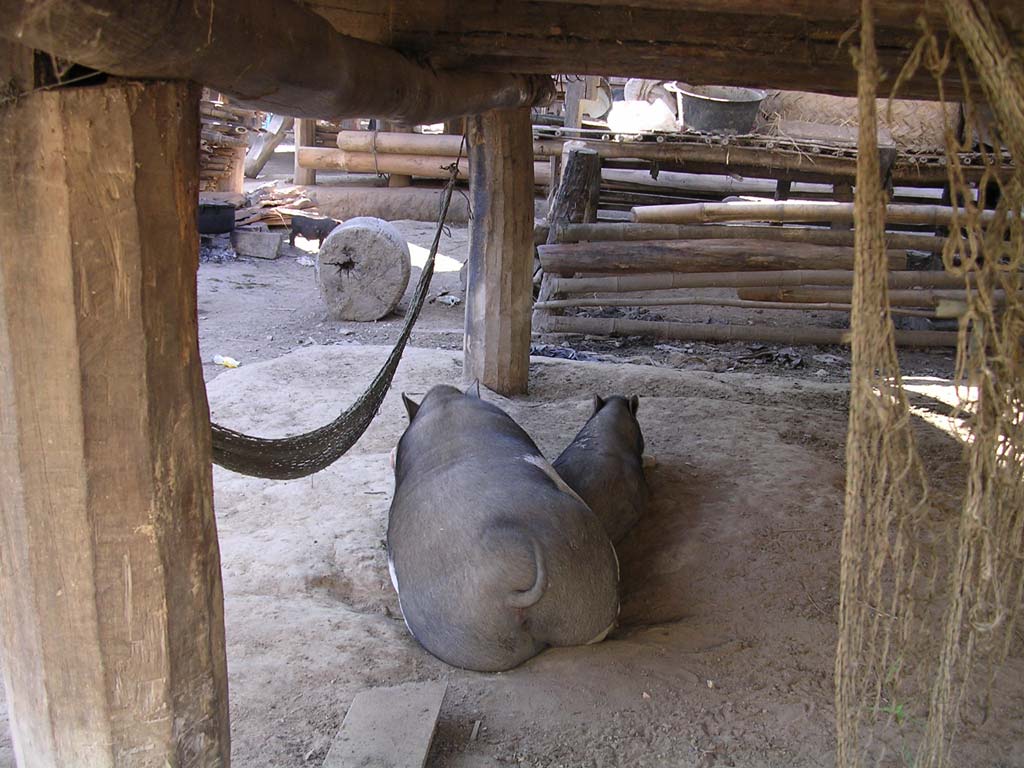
604 465
312 228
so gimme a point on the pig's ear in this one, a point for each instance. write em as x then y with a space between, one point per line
410 407
634 403
473 390
598 403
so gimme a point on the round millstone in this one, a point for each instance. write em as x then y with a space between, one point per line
362 269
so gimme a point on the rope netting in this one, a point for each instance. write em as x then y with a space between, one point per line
915 626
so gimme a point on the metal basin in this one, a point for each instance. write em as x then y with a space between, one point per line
718 108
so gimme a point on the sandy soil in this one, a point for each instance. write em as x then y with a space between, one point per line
724 656
256 310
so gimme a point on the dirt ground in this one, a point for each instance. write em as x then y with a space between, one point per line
255 310
729 585
724 653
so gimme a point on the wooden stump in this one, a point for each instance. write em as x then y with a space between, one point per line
574 201
112 623
363 269
499 291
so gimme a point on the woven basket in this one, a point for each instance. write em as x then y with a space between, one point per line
917 126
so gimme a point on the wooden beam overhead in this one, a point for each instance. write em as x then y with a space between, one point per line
792 44
274 55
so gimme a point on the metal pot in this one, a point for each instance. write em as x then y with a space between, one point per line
718 108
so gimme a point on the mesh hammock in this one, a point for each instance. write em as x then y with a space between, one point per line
286 458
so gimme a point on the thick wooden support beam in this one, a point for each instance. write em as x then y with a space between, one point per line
305 136
399 179
499 285
112 626
276 56
785 44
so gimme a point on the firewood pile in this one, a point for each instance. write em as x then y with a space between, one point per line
225 136
273 206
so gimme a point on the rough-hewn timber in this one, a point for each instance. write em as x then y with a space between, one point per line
779 43
275 55
112 625
499 287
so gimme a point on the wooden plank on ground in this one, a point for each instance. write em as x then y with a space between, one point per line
388 727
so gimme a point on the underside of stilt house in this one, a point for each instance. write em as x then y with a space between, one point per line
112 611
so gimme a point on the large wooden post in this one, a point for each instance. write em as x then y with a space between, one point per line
305 136
398 179
112 627
499 285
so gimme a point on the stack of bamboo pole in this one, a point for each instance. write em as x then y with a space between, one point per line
727 245
224 138
410 154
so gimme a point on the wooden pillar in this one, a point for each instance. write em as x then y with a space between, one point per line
499 287
235 180
111 607
305 136
456 126
398 179
842 192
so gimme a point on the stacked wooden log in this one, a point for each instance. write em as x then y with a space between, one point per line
668 254
274 206
388 152
224 138
326 133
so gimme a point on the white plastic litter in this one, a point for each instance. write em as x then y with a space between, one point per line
641 116
227 362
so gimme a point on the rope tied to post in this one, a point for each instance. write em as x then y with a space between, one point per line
287 458
373 147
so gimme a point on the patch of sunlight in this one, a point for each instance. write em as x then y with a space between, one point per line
309 246
957 402
442 263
